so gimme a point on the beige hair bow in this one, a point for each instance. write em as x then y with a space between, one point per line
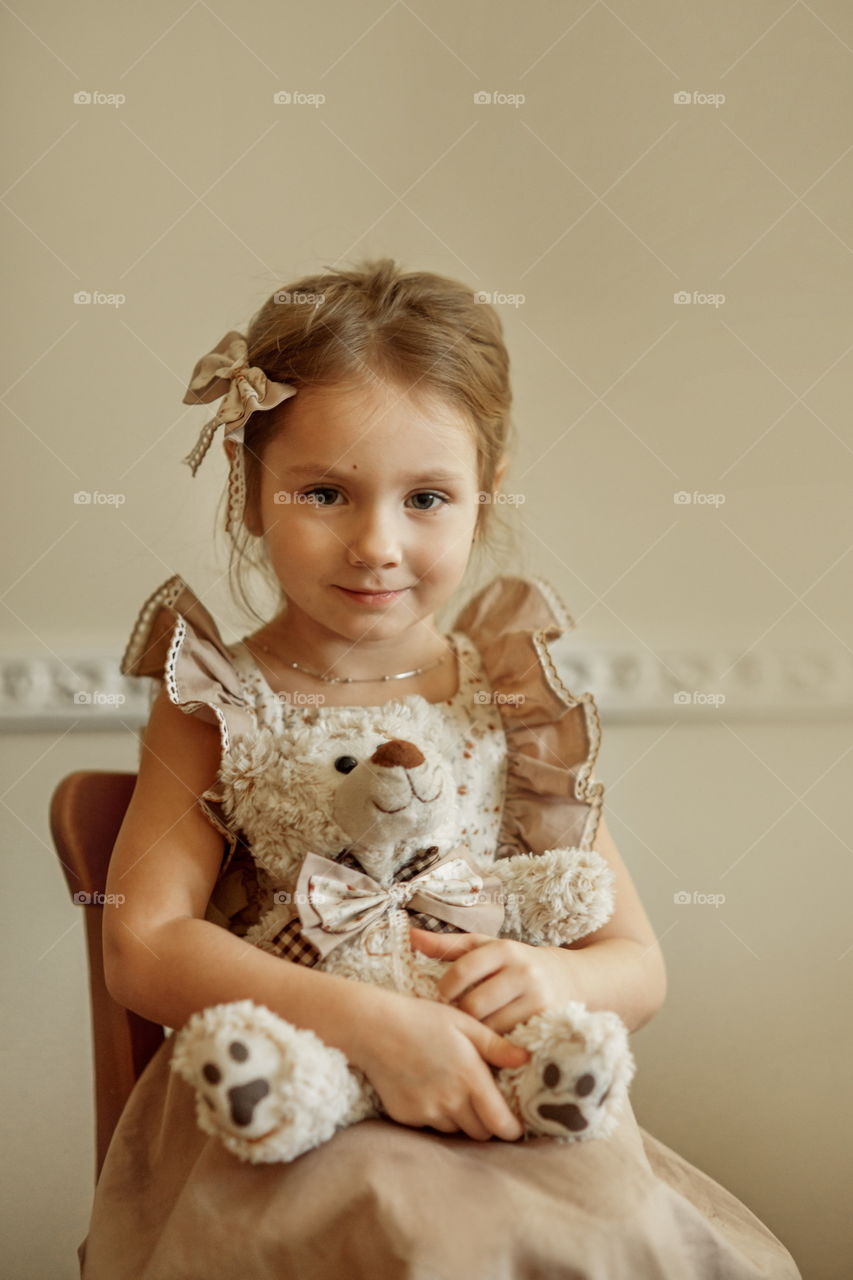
245 389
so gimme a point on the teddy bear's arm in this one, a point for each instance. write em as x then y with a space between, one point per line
554 897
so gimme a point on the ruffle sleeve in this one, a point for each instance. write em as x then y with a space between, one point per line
176 642
553 735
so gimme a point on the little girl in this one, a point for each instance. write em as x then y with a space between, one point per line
366 418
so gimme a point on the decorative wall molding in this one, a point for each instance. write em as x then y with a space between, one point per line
80 691
85 691
701 685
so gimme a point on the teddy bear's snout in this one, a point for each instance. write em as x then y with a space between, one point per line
398 752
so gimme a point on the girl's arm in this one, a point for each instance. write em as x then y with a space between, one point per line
165 961
621 965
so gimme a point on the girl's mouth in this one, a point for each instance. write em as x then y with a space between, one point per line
372 597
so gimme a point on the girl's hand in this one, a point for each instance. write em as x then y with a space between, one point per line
496 980
428 1062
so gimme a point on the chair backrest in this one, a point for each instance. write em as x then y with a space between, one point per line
86 811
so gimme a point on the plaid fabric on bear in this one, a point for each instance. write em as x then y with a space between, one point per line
290 944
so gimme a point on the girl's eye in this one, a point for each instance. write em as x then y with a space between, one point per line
312 494
429 494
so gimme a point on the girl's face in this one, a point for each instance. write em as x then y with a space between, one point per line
365 490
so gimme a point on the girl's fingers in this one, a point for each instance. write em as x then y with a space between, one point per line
470 969
446 946
507 1019
443 1126
490 997
494 1114
496 1049
469 1122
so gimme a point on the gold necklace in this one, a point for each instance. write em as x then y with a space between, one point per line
399 675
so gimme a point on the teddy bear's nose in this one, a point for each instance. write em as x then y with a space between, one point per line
397 751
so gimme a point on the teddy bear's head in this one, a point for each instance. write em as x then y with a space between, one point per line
375 781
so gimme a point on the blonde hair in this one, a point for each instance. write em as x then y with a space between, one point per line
426 333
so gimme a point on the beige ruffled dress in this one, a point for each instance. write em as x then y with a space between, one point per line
381 1201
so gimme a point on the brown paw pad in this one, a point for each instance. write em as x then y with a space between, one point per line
568 1114
243 1098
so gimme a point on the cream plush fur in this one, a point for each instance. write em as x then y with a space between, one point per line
271 1090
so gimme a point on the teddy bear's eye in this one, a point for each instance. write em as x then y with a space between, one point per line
345 764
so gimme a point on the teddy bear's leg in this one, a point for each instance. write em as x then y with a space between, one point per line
267 1089
576 1080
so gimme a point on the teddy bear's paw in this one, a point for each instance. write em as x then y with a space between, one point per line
567 1103
234 1071
575 1083
267 1089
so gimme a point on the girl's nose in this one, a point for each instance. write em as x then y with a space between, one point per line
374 541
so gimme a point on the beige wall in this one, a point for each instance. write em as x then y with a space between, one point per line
598 199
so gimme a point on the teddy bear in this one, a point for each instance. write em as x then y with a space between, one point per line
352 824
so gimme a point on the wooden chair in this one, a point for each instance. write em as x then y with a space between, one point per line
86 811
